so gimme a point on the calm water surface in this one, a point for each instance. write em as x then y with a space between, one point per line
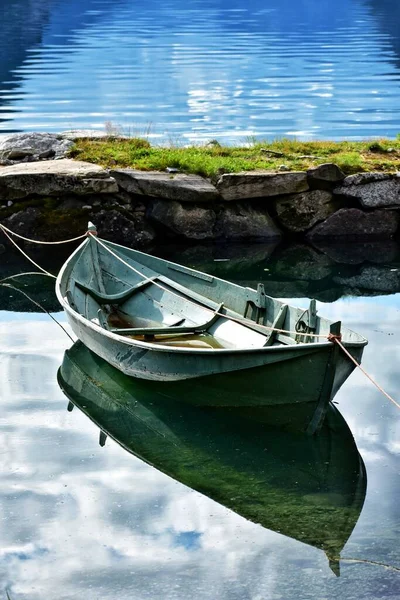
195 70
83 521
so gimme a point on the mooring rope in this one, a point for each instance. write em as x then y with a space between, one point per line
24 274
79 237
11 287
24 253
337 341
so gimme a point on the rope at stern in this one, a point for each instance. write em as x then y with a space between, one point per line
337 341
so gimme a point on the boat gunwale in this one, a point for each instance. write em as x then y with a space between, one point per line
179 350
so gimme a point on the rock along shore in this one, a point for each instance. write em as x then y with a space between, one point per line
47 196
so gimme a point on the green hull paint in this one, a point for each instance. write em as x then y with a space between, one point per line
152 295
310 489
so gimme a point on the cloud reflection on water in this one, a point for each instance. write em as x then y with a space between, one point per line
80 520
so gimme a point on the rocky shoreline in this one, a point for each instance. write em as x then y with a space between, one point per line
49 197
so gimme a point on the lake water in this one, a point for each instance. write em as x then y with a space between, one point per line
83 521
194 71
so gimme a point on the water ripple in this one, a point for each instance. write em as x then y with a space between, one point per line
210 69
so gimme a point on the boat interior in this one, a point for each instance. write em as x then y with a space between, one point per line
141 302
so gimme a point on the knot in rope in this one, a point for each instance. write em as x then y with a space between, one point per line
333 337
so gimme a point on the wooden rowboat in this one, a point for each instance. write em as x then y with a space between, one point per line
158 320
311 489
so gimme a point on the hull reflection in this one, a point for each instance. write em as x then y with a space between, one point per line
311 489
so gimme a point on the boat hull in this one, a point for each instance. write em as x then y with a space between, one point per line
261 377
125 306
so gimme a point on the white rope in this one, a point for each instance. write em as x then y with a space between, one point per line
80 237
26 256
372 380
23 275
240 321
11 287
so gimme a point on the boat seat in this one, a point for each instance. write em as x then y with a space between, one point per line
119 298
150 332
278 324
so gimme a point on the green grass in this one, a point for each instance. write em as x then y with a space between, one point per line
213 159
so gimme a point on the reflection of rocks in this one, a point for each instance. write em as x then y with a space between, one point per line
299 212
353 223
190 221
302 262
33 146
244 222
40 289
357 253
227 261
379 279
255 184
279 289
372 190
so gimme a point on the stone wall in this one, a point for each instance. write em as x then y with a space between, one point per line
47 196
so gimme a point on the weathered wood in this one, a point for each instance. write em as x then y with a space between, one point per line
277 324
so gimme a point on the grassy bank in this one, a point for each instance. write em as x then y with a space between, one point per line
214 159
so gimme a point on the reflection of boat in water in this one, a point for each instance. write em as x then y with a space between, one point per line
308 488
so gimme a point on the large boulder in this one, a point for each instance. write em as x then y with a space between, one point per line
133 232
324 176
372 190
353 223
179 187
244 222
24 222
18 147
186 220
54 178
258 184
299 212
44 224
